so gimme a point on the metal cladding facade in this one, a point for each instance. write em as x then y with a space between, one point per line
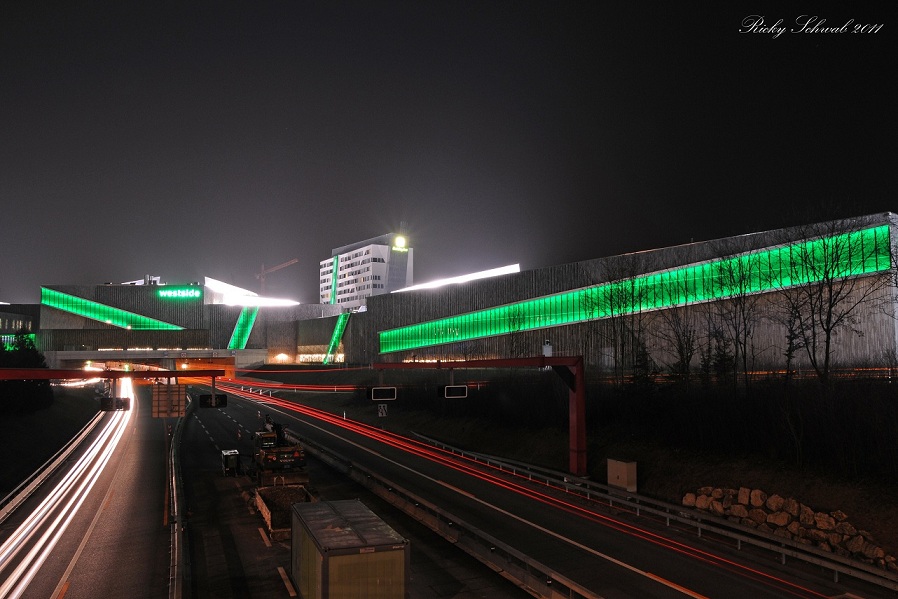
113 316
78 317
582 308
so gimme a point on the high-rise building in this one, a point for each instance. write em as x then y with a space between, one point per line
357 271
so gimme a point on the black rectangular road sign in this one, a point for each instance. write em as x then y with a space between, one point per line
382 393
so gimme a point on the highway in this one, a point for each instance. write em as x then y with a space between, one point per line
609 556
117 542
97 527
231 555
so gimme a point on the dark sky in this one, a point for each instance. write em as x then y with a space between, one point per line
190 139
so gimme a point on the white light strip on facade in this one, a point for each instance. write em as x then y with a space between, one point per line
252 301
483 274
231 295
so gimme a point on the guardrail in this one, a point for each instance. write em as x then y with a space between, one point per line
17 496
524 571
700 521
179 565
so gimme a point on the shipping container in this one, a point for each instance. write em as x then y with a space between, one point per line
343 549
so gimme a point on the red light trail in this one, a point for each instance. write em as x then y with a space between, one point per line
476 469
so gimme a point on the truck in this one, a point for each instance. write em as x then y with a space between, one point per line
278 458
279 462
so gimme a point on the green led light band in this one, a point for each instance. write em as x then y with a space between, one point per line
243 328
336 337
849 254
334 280
103 313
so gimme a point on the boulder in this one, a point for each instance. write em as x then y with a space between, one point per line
744 495
806 516
839 515
855 544
717 493
702 502
873 552
782 532
792 507
749 523
824 521
705 490
716 507
774 503
757 515
738 510
779 519
845 528
796 529
758 497
689 499
818 536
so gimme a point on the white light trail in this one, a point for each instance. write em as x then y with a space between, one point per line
26 550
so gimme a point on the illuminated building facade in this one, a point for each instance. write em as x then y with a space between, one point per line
752 295
618 310
372 267
165 324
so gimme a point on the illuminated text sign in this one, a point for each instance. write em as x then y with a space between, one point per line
180 293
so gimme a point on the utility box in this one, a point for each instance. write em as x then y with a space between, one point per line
343 549
230 462
622 475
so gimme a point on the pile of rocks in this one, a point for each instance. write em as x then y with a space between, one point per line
793 520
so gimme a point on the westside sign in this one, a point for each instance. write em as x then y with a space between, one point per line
179 293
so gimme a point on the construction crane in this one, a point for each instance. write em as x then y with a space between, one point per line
264 271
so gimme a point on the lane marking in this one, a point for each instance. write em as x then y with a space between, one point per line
287 582
668 583
63 591
264 537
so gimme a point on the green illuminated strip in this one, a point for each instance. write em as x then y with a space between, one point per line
243 328
335 338
849 254
334 280
102 312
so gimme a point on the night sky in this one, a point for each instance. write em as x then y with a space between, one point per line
191 139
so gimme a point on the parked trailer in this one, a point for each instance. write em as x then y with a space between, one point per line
343 549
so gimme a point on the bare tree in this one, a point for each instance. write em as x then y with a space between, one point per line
516 343
823 283
618 299
737 278
679 331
